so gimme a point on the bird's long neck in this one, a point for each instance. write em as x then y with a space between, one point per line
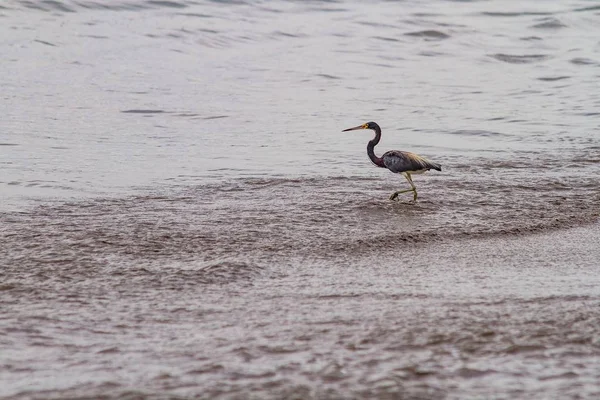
371 148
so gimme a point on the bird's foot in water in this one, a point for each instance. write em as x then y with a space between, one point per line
394 195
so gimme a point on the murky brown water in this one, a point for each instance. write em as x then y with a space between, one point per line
181 216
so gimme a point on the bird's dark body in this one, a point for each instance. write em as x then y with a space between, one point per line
399 162
403 161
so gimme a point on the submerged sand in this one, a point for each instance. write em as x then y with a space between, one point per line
173 296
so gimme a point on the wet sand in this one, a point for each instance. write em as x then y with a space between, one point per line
504 318
186 296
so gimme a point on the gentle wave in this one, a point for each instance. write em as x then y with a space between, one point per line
520 59
269 218
550 23
429 34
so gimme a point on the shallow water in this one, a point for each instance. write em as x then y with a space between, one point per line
181 215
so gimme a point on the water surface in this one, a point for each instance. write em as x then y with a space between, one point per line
181 215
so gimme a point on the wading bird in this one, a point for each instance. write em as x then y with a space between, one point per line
399 162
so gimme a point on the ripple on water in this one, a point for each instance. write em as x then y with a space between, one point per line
475 132
167 4
228 271
429 35
583 61
549 23
520 59
553 78
514 14
142 111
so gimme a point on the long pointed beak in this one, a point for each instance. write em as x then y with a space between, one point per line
355 128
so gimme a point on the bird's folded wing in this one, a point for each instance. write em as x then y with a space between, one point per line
403 161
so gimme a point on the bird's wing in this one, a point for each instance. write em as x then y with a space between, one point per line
401 161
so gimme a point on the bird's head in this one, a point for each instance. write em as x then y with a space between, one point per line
368 125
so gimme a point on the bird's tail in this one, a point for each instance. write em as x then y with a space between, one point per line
433 165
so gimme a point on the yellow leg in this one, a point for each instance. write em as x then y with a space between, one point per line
413 188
